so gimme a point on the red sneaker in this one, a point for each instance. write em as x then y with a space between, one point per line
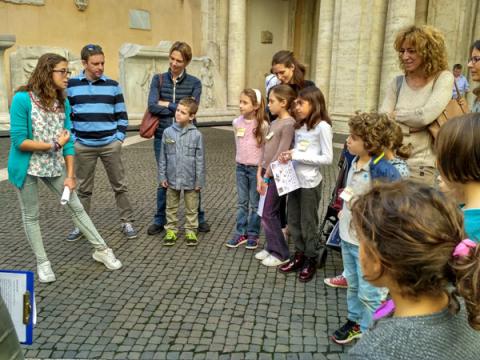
336 282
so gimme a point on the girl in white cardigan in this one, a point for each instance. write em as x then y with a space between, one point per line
313 148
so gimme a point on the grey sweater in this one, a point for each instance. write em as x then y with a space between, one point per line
440 336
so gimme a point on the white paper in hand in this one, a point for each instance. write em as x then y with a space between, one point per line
65 196
285 177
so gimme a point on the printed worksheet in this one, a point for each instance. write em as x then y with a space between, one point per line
285 177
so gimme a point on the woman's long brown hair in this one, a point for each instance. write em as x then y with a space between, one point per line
41 81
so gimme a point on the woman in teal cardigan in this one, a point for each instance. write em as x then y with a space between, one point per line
41 148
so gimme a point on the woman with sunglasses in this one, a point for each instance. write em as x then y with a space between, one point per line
41 149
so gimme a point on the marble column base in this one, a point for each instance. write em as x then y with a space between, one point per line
4 121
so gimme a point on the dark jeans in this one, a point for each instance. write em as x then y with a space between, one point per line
248 221
276 243
303 219
160 217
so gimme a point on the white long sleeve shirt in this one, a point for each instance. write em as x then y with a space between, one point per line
312 149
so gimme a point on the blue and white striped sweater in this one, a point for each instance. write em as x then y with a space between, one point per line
99 115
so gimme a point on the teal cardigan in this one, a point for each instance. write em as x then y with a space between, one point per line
21 130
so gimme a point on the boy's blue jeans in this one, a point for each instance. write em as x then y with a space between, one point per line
362 298
248 221
160 216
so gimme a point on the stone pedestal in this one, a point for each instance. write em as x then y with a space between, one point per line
6 41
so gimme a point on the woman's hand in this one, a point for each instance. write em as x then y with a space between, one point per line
285 156
163 103
198 188
63 137
165 184
70 182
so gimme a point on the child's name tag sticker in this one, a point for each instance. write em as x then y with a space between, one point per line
269 135
240 132
303 145
170 141
347 194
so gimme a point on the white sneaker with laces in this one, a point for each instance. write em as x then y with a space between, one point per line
262 255
273 261
45 272
107 258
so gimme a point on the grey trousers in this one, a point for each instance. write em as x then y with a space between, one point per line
111 156
302 213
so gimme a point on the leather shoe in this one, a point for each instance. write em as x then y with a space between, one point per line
308 270
155 229
295 263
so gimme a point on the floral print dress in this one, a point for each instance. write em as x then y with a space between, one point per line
46 127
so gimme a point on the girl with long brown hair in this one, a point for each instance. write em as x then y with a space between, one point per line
250 130
41 149
278 140
312 148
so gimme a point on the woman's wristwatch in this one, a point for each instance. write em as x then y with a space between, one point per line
56 146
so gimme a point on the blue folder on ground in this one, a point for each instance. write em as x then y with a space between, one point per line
17 291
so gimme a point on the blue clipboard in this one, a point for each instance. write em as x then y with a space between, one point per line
28 305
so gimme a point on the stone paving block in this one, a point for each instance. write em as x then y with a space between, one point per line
174 301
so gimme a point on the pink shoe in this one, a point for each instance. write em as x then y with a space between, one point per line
336 282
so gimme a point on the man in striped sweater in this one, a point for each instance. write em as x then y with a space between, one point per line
99 122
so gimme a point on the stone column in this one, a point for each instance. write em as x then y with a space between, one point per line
400 14
324 46
236 50
6 41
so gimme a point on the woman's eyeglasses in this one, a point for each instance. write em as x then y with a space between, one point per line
64 72
474 59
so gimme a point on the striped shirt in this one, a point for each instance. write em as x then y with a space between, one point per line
99 115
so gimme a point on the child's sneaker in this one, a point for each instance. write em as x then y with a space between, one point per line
191 238
347 333
170 238
108 259
336 282
236 241
262 255
252 242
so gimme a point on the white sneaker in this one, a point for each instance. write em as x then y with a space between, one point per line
107 258
262 255
45 272
273 261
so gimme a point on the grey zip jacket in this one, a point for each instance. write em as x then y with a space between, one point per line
182 158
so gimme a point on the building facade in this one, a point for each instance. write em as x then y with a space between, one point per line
346 45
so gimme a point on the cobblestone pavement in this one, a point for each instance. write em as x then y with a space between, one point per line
208 302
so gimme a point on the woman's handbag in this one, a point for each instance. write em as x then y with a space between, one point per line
149 125
455 107
150 122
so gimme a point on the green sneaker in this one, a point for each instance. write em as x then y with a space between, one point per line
170 238
191 238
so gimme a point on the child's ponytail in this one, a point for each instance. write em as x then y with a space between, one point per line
466 267
256 98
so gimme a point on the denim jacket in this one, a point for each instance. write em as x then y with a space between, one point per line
182 158
382 169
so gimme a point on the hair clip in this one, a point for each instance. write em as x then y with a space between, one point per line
463 248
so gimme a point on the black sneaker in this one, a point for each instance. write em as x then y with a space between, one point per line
347 333
155 229
203 227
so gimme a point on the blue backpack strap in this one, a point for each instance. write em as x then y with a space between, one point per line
399 80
